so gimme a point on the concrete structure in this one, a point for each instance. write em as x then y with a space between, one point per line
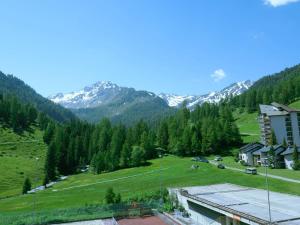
246 152
288 157
227 204
283 120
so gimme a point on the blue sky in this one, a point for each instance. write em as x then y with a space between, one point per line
172 46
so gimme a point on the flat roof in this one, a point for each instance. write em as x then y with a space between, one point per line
271 110
285 208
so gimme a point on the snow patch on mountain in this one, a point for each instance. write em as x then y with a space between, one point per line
106 92
235 89
90 96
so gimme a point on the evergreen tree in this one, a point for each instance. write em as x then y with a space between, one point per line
163 136
26 186
125 155
296 163
118 198
137 156
273 138
110 196
49 133
50 164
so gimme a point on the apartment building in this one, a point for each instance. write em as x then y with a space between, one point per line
283 120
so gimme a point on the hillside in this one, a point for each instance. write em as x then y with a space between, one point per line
129 112
14 86
127 105
18 155
119 104
282 87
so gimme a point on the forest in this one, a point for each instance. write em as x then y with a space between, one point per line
283 87
105 147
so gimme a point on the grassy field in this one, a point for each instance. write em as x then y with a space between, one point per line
296 104
171 171
248 126
18 155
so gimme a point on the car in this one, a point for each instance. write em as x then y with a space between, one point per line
221 166
218 158
200 159
252 171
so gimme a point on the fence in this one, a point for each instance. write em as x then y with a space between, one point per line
123 210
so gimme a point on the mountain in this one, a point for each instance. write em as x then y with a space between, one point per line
235 89
100 93
14 86
106 99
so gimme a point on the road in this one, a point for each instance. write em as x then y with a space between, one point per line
262 174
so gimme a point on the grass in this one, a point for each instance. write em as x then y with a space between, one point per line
248 126
229 161
295 105
83 189
18 160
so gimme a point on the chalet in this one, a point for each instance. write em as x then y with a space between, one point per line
263 153
246 152
288 157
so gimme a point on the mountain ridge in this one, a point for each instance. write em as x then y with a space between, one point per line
105 92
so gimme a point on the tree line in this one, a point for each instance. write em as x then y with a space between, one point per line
72 146
106 147
15 114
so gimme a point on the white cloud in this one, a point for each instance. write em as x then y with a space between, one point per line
218 75
276 3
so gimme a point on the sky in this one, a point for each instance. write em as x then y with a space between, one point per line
170 46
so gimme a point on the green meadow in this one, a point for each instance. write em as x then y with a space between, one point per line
83 189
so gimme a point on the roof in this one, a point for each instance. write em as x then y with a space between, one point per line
251 147
284 107
276 109
271 110
248 203
289 151
277 148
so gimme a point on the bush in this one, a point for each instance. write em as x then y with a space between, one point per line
244 163
111 197
296 166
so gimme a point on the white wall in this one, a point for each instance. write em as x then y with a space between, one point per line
288 160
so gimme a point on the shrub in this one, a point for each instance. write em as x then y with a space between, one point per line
244 163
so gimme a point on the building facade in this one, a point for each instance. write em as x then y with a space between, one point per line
283 121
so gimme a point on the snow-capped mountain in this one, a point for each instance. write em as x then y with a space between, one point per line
238 88
105 92
89 97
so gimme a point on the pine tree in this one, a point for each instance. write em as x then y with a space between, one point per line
26 186
125 155
50 164
296 163
273 138
49 133
118 198
163 136
137 156
110 196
